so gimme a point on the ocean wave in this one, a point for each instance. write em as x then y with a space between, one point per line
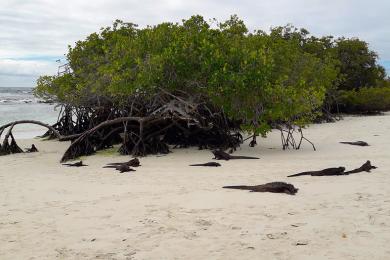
18 101
12 96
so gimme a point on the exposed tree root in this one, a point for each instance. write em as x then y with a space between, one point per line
84 144
152 125
9 144
144 125
288 139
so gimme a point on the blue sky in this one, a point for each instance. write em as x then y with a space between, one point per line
386 64
36 33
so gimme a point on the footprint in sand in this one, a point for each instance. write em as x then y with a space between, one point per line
106 256
301 242
277 235
298 224
236 228
269 216
362 196
190 235
203 222
148 221
363 233
64 252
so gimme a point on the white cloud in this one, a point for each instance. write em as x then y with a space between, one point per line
26 67
24 73
45 27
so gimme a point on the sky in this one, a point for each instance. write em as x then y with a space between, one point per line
36 33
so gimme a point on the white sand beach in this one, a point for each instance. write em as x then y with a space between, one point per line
168 210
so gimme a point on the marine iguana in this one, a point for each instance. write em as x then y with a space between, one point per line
121 168
276 187
359 143
133 163
76 164
324 172
33 149
366 167
211 164
221 155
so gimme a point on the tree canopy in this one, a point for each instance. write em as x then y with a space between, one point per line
256 77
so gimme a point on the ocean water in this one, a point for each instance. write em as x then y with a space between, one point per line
20 103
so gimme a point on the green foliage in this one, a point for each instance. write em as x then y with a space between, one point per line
257 78
358 65
365 100
63 89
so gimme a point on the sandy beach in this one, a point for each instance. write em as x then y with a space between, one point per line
168 210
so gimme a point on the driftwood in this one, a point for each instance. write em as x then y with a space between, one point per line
276 187
359 143
221 155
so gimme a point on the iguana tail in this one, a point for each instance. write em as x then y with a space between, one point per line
239 187
242 157
300 174
110 166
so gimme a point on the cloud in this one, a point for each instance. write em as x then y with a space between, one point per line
26 67
24 73
17 81
36 28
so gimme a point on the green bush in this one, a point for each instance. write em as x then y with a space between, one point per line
255 77
365 100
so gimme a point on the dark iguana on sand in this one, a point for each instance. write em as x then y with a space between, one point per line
133 163
210 164
324 172
76 164
221 155
359 143
276 187
121 168
33 149
366 167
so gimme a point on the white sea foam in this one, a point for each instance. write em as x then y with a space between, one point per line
18 104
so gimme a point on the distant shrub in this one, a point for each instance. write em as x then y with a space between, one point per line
365 100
